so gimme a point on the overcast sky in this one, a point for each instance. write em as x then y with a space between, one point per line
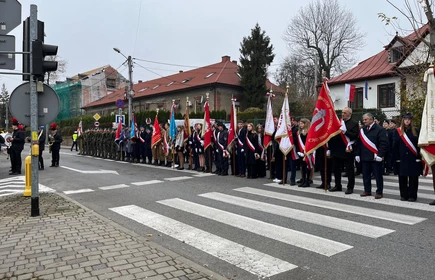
184 32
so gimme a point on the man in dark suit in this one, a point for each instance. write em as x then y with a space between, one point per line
56 140
41 142
371 148
341 147
17 146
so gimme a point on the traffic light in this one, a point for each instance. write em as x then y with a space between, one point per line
26 45
39 64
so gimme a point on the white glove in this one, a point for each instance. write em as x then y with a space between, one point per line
217 150
343 127
328 153
190 142
242 150
357 158
196 149
378 159
257 156
301 154
202 143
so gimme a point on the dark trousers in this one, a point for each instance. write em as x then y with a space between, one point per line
15 156
279 165
74 144
369 167
241 162
328 167
260 168
251 171
41 159
338 164
408 186
55 157
292 164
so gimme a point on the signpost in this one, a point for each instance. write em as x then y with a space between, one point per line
96 124
10 17
7 45
97 117
120 103
120 118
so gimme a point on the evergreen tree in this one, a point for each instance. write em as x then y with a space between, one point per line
256 54
4 99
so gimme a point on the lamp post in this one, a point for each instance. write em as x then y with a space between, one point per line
130 77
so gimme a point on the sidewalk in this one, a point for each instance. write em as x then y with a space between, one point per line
69 241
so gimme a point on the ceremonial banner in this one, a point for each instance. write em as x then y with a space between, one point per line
206 128
269 126
187 131
157 135
284 129
324 124
426 140
80 129
172 125
118 132
233 124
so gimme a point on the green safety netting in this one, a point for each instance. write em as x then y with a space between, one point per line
70 99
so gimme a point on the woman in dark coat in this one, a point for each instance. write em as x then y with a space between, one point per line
407 158
260 165
251 151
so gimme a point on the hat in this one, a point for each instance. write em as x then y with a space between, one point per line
14 121
220 124
393 121
53 126
142 126
407 116
386 121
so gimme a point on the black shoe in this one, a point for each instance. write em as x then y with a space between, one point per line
310 181
41 168
357 173
403 199
335 189
52 165
306 185
300 181
412 200
292 183
432 203
13 173
348 191
320 187
224 174
344 174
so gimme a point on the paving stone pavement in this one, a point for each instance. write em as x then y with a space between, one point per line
69 241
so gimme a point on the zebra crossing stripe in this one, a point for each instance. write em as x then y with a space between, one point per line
313 218
299 239
178 178
78 191
389 191
147 183
114 187
248 259
343 207
388 183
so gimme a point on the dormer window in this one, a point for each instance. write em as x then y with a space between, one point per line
141 90
209 75
171 83
396 54
156 86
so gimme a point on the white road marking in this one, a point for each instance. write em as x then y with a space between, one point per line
114 187
243 257
147 183
101 171
387 191
107 159
17 178
178 178
386 183
313 218
371 199
204 175
78 191
299 239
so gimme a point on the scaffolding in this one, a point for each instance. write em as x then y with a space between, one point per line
70 96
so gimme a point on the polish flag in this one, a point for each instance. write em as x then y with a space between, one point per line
350 92
269 126
426 141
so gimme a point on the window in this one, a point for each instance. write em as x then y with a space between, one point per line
396 54
185 80
111 83
144 89
358 99
209 75
386 96
156 86
170 83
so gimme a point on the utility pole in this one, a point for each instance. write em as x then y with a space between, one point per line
130 92
7 116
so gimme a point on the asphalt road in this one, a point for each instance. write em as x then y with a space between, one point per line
254 229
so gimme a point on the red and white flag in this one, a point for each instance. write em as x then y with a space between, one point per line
350 92
284 129
206 128
269 126
156 138
426 140
324 124
80 129
233 124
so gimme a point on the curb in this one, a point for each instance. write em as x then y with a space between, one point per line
152 244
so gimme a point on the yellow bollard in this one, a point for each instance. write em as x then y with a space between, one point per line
28 174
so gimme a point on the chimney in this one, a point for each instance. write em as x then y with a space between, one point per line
181 71
140 81
226 58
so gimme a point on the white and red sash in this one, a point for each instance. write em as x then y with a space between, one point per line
367 143
141 139
250 145
221 147
198 137
165 144
346 139
261 147
413 149
308 159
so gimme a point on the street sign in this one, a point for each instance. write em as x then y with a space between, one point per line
96 117
96 124
10 15
7 44
120 103
48 104
120 118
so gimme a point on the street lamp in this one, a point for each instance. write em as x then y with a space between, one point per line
130 77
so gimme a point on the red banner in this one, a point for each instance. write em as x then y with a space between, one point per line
207 126
233 121
157 135
324 124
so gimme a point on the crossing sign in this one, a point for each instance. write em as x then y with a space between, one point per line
120 118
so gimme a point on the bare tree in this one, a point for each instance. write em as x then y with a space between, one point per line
325 33
52 77
298 75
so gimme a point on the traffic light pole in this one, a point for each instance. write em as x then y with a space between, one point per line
130 94
34 115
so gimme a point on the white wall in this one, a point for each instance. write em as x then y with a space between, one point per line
338 94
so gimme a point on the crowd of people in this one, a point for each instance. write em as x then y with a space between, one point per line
365 148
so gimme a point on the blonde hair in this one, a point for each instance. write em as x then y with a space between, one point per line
307 125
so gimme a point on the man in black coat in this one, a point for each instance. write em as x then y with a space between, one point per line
341 147
371 148
17 146
56 140
41 143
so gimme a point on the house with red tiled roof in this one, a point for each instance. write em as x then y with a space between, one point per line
187 88
383 75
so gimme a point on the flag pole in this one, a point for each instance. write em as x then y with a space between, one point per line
283 169
325 179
